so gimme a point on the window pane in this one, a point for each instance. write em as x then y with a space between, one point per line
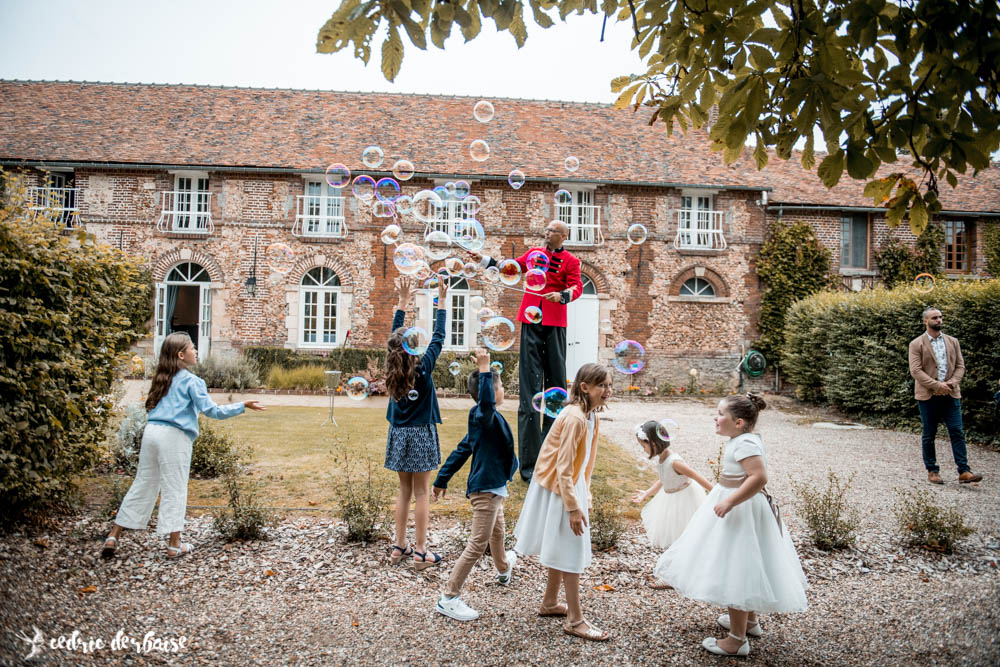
309 317
329 317
458 320
859 243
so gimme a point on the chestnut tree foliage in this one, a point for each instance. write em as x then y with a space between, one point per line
880 82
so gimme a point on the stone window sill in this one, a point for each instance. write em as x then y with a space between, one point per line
322 239
186 237
844 271
699 299
699 251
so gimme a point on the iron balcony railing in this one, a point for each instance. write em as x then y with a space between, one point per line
186 211
699 229
584 224
59 204
319 216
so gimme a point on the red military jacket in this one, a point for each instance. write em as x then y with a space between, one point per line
563 274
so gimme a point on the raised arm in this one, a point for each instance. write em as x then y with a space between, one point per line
437 339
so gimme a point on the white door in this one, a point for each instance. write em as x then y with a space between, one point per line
160 315
204 321
582 318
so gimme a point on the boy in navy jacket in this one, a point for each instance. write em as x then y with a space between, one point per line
490 443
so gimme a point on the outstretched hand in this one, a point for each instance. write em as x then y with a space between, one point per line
253 405
404 288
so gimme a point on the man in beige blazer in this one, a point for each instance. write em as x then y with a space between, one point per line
937 368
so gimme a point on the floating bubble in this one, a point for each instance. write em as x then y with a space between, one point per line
485 314
424 271
387 189
454 368
516 179
431 283
483 111
553 401
415 341
372 156
383 209
537 259
470 235
438 244
413 394
426 205
462 189
498 333
357 388
479 150
636 234
572 163
510 272
390 235
533 314
629 357
454 266
470 269
476 303
404 205
450 188
280 258
442 192
471 205
538 402
434 303
534 280
364 187
605 326
664 428
924 282
338 175
403 170
563 198
492 274
407 258
496 367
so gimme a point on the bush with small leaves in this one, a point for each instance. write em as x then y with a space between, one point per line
229 373
119 487
364 504
215 453
125 444
245 517
606 522
925 524
830 520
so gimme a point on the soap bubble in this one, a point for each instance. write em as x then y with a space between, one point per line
664 428
404 205
537 259
338 175
498 333
476 303
537 401
462 189
372 156
510 272
426 205
454 368
438 245
470 269
533 314
563 197
454 266
413 394
470 235
431 283
442 192
280 258
364 187
550 401
387 189
450 189
534 280
492 274
357 388
496 367
402 170
516 179
434 303
471 205
407 258
483 111
629 357
605 326
390 235
485 314
383 209
572 163
415 341
479 150
424 271
924 282
636 234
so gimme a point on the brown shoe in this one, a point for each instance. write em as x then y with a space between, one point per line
935 478
967 477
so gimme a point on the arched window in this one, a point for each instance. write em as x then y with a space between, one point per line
697 287
188 272
318 296
588 284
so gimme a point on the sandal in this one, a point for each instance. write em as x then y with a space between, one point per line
110 547
395 558
591 633
179 551
660 585
559 609
424 563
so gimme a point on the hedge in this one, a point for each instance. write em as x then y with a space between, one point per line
850 349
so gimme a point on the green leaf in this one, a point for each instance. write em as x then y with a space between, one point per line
859 167
894 215
624 100
760 154
392 54
619 82
541 18
831 168
918 216
518 29
808 154
475 25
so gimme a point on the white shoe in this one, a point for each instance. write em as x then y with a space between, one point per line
456 608
712 646
752 630
503 578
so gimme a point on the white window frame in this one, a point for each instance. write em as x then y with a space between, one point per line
582 216
469 323
187 209
698 293
320 214
699 224
321 293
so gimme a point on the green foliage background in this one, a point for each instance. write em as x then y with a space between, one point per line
899 264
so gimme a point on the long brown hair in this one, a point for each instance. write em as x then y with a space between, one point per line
592 374
400 367
166 367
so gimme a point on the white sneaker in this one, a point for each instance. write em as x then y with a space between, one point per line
456 608
503 578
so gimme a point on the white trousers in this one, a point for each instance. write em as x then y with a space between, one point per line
164 464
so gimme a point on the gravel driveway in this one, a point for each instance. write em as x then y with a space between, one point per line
308 597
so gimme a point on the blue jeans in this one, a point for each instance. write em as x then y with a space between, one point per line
945 409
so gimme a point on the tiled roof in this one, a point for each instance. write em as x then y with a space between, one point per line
304 130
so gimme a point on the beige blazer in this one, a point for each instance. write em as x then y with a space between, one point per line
923 366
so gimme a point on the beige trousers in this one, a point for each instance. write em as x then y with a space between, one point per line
487 528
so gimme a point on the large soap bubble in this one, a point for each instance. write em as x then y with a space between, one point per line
372 156
415 341
462 189
470 269
402 170
404 205
636 234
364 187
551 401
387 189
533 314
280 258
483 111
408 257
498 334
476 303
454 368
629 357
492 274
427 205
438 244
356 388
413 395
496 367
485 314
390 235
470 235
534 280
338 175
471 205
537 259
510 272
454 266
572 163
664 428
383 209
515 179
924 282
479 150
563 197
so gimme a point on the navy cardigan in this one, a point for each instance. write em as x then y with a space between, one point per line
489 442
424 410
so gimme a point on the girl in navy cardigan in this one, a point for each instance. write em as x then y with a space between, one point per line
412 448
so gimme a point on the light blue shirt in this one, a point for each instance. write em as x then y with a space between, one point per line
186 397
500 491
940 356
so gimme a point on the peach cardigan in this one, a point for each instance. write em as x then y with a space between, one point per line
561 457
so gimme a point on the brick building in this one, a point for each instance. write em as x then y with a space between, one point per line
202 182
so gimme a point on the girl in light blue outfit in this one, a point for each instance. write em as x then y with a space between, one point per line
176 397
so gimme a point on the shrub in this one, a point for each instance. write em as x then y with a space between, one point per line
245 517
119 487
898 264
215 453
606 522
229 373
364 505
300 377
716 465
991 248
125 444
830 521
924 524
64 334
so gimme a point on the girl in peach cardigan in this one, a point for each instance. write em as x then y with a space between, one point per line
553 524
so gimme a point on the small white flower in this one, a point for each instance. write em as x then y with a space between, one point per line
693 372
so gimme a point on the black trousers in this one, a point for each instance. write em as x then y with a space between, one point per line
542 365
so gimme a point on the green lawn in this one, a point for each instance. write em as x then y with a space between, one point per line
299 461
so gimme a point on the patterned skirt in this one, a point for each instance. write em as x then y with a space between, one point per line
412 448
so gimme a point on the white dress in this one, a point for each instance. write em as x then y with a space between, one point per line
543 527
739 561
666 516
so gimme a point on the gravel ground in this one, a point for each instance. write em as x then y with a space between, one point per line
308 597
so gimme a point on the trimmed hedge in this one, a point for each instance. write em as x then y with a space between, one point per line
851 349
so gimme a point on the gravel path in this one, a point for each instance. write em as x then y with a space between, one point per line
308 597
